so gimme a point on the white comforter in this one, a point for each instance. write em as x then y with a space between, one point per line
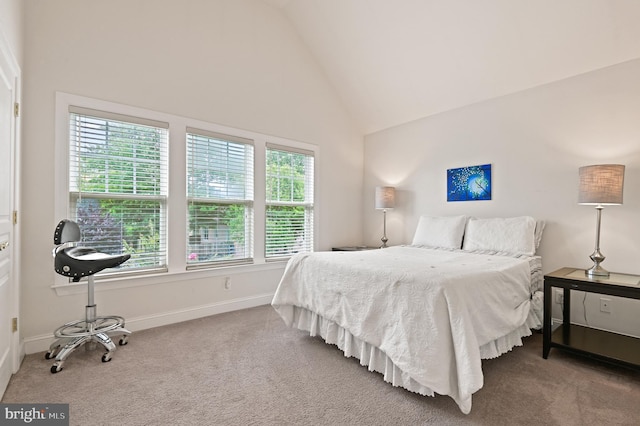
428 310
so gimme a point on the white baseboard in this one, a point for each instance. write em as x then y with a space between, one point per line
41 343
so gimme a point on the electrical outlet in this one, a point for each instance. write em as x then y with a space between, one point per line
605 305
559 296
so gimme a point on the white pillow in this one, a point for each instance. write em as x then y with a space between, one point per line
540 224
440 232
515 235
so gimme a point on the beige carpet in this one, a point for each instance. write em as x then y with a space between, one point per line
247 368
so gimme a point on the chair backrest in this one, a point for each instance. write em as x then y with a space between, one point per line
66 231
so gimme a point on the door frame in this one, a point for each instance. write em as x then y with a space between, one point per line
11 70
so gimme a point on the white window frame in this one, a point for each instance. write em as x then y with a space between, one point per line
76 193
308 204
177 196
247 201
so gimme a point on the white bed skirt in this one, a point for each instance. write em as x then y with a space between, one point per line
376 360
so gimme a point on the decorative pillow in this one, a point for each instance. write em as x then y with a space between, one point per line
440 232
538 235
514 235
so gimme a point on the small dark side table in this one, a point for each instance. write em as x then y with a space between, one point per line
599 344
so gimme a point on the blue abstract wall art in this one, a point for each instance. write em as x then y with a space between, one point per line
469 183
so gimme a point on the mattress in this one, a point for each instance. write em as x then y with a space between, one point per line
424 318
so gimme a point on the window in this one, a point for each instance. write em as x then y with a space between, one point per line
118 184
289 201
219 198
180 194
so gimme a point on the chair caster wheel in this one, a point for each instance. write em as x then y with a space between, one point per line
55 369
106 357
52 352
123 341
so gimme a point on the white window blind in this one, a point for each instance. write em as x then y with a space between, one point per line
118 185
219 199
289 201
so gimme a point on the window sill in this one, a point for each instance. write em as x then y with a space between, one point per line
115 283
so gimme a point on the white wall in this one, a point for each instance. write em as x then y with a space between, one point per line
535 141
11 26
232 62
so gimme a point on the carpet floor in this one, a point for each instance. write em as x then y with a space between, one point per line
247 368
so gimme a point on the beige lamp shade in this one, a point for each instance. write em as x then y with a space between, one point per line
385 197
601 184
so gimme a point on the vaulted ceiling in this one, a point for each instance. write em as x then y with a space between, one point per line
394 61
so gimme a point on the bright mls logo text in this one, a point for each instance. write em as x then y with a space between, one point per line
40 414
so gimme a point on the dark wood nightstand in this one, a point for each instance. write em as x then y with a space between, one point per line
354 248
599 344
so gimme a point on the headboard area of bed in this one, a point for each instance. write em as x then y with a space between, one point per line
514 235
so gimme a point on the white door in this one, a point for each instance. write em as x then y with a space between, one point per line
8 290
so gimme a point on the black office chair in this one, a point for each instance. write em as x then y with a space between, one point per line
78 262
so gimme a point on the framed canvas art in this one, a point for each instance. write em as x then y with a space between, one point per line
469 183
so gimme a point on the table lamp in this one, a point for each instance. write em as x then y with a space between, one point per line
385 199
600 185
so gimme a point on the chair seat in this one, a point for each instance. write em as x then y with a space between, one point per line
78 262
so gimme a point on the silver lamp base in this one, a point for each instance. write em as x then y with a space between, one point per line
596 270
384 242
384 238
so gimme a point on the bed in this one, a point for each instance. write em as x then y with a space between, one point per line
424 315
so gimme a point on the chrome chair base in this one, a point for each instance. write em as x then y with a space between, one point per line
90 331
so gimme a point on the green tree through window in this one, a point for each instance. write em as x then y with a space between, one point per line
289 210
220 198
118 186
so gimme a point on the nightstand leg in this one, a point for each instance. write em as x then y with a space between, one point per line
546 326
566 316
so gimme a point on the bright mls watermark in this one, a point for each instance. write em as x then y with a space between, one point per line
34 414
